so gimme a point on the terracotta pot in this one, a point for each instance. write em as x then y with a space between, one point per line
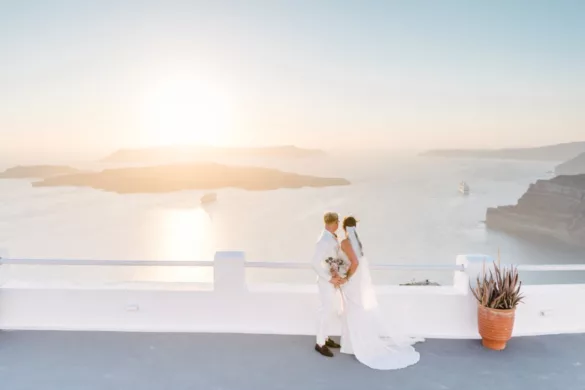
495 326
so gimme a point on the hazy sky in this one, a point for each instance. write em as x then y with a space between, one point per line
89 75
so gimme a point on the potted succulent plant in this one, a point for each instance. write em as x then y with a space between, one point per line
498 295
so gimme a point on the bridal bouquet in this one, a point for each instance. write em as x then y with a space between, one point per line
337 266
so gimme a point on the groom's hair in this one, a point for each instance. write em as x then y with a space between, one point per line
330 218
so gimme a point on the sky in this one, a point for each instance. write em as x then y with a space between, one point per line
90 76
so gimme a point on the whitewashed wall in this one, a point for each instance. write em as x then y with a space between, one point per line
229 305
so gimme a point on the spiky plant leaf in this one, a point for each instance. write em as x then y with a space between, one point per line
499 288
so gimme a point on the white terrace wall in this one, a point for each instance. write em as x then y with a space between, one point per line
229 305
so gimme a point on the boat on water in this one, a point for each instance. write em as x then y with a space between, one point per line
464 188
208 198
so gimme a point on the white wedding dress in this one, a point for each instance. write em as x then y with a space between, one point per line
364 334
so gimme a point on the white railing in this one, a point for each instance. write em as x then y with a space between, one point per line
113 263
190 263
272 265
276 265
552 268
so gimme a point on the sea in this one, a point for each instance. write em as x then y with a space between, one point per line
409 208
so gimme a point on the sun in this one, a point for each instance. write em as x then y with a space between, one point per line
186 111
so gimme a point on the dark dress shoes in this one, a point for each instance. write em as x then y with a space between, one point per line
324 350
332 344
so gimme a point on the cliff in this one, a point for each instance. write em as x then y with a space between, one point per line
553 208
168 155
169 178
560 152
36 171
575 166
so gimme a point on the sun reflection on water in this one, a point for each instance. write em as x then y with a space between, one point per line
184 234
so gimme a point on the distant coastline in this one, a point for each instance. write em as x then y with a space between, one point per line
559 152
168 169
575 166
178 177
37 171
552 208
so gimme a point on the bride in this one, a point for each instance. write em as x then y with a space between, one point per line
363 333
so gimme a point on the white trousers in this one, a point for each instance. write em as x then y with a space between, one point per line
328 310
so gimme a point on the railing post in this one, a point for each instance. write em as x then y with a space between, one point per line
461 278
473 265
229 273
476 265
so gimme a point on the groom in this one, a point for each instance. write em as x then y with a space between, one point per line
327 246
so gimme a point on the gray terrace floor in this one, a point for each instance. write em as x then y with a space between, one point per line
31 360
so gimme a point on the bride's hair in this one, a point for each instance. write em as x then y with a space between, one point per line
349 222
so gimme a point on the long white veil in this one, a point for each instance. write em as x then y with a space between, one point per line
369 299
368 294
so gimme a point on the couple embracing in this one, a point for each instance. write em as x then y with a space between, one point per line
343 269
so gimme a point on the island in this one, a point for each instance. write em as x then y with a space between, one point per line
552 208
575 166
37 171
560 152
194 176
174 154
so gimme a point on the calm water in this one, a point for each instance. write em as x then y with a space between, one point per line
409 207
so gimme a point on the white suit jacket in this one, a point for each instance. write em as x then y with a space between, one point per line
327 246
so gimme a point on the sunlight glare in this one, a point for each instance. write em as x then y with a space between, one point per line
186 111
